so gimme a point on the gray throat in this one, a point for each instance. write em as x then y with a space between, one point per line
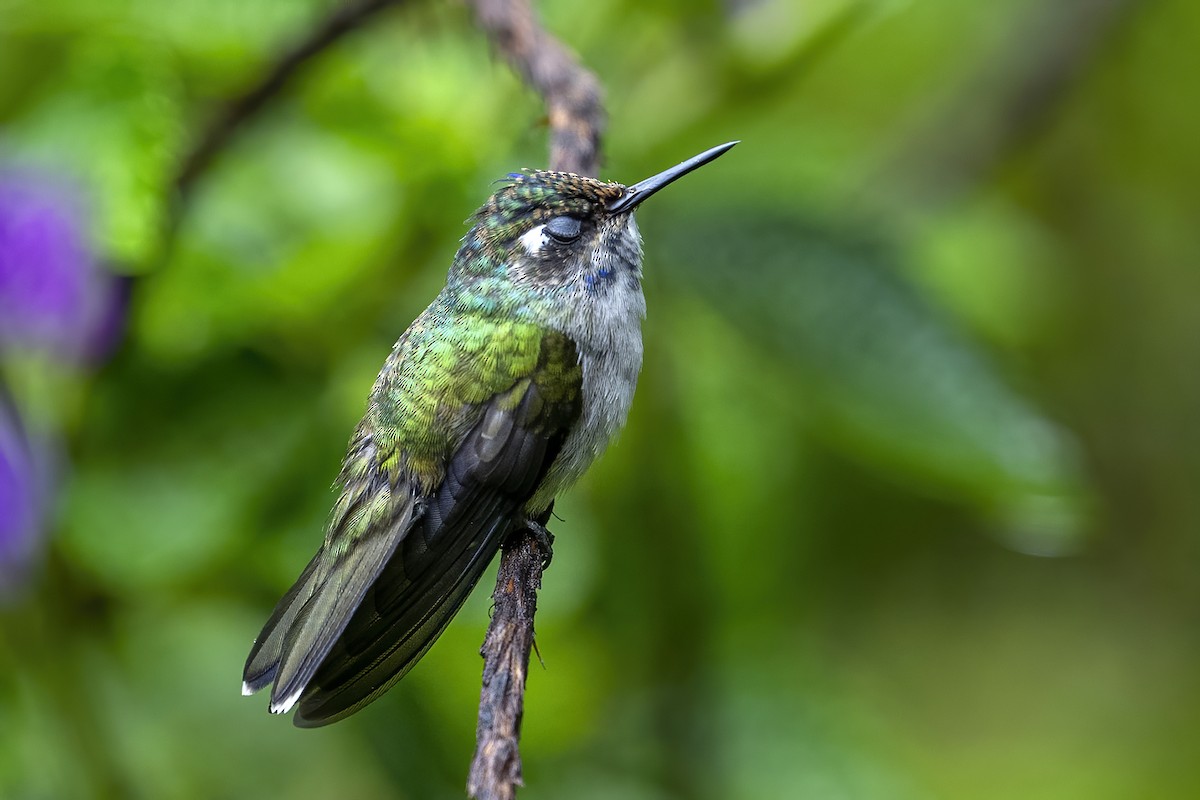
605 322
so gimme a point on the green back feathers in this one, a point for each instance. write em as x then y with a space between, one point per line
420 410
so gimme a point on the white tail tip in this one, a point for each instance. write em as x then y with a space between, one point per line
285 705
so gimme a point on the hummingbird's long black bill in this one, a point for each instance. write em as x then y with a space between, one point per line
642 189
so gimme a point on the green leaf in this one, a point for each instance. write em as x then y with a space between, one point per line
887 375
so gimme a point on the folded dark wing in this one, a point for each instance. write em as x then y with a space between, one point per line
372 517
489 479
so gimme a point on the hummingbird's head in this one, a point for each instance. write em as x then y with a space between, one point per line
548 230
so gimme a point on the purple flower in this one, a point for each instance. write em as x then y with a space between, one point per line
20 502
56 298
53 294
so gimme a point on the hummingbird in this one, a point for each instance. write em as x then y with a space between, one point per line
497 398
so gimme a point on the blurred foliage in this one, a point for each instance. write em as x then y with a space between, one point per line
878 379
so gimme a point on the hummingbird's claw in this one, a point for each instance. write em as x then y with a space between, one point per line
544 539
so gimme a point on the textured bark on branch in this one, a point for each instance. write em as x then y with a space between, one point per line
573 97
574 105
496 767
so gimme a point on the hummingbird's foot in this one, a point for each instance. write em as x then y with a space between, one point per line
544 538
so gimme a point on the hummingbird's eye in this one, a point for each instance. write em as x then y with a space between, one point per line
564 229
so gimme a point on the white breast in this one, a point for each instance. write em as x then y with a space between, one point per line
606 326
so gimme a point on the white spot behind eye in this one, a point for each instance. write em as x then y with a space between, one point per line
533 240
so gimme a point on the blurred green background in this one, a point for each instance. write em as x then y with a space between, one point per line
906 506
